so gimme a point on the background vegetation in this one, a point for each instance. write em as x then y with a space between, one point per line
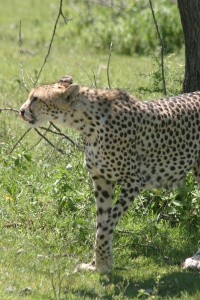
129 24
47 203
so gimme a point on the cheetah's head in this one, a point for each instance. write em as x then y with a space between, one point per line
49 101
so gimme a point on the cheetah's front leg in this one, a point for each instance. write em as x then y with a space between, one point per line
104 197
107 219
104 235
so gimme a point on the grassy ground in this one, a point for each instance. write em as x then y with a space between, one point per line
47 205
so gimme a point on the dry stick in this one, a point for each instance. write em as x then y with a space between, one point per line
94 76
162 48
46 57
20 59
85 72
35 144
60 13
19 140
108 65
23 80
58 149
11 109
39 140
15 110
47 129
63 134
43 136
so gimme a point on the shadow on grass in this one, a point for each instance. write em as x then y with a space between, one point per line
173 285
177 283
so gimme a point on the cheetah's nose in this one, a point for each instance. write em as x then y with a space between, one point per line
22 112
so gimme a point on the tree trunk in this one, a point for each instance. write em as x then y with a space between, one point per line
190 18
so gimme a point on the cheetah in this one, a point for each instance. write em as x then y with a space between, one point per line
138 144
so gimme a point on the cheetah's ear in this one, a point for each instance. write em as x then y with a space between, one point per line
71 91
67 79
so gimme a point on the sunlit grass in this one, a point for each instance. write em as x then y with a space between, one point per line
47 206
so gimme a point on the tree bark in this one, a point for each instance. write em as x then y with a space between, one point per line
190 18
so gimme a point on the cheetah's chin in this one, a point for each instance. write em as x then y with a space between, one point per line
23 117
31 122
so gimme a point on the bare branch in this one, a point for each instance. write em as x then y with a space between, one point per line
56 148
36 144
21 138
95 81
59 132
20 60
162 48
85 72
43 136
11 109
108 65
60 13
38 141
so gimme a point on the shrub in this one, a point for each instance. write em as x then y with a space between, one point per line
130 26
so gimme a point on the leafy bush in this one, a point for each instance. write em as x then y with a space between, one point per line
130 26
180 206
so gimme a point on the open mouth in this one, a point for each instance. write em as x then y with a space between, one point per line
22 112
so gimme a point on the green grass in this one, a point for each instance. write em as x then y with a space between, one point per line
47 204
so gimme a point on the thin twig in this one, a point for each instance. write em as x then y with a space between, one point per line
38 141
21 138
95 82
64 135
11 109
108 65
20 59
30 78
36 144
60 13
85 72
61 134
162 48
58 149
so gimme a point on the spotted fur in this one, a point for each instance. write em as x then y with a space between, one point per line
139 144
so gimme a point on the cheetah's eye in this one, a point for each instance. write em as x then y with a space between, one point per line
34 99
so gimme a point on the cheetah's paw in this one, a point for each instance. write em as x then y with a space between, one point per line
193 262
101 268
90 266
